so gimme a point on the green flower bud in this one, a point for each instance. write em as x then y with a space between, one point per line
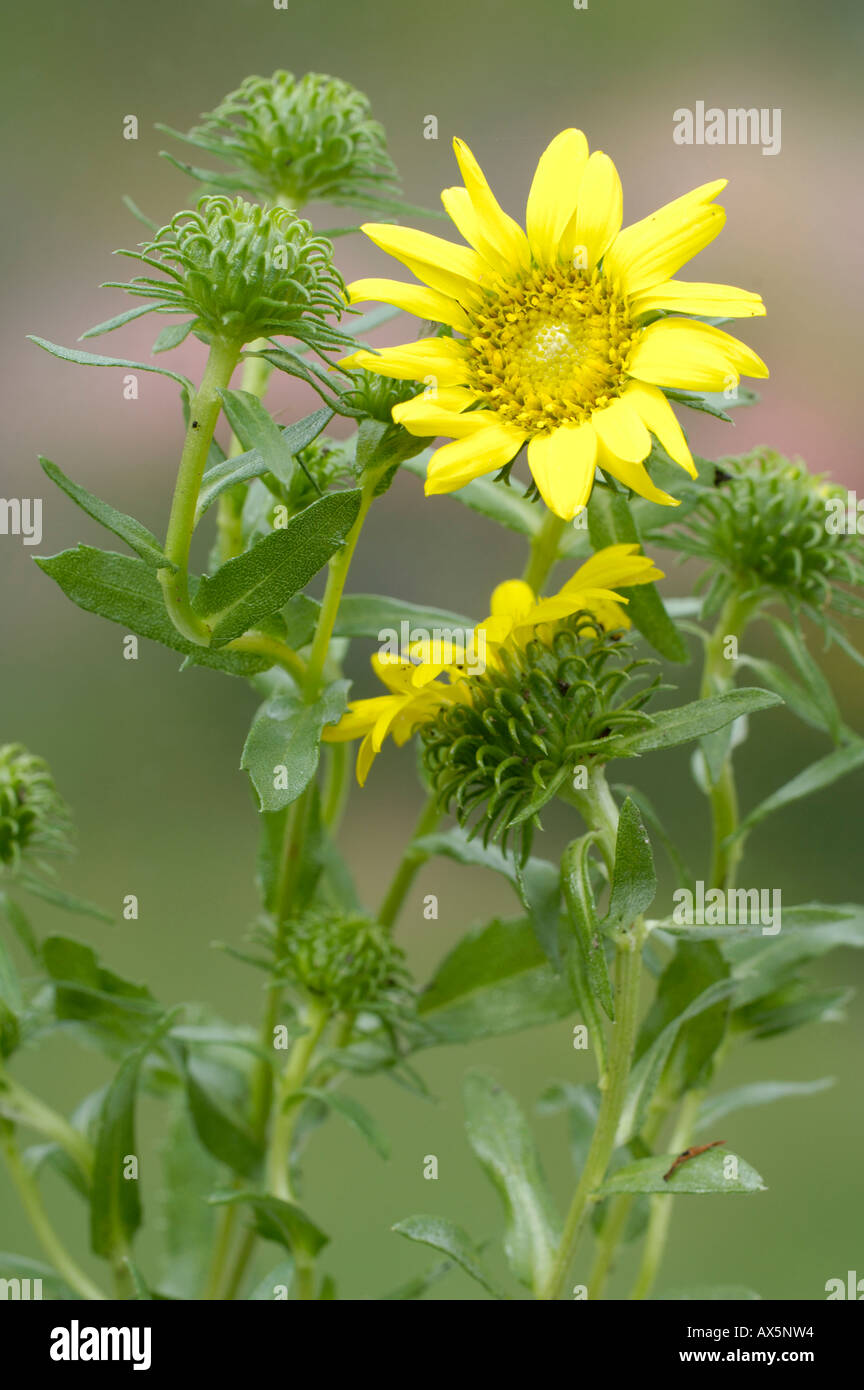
244 272
375 396
34 819
348 961
543 710
768 525
291 141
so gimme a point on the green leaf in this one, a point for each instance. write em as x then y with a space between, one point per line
115 1207
142 541
370 615
92 359
280 1277
694 967
261 460
10 983
634 881
671 727
646 1072
823 773
799 700
20 924
610 522
812 675
126 590
415 1288
22 1267
716 1108
282 1222
257 583
86 992
587 958
794 1006
352 1111
451 1240
499 1135
495 980
67 902
116 322
283 747
256 429
172 335
498 501
224 1134
537 882
703 1174
186 1218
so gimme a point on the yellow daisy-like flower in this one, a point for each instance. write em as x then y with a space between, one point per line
419 686
560 345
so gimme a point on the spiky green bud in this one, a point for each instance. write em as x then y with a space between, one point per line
244 272
348 961
34 819
551 706
293 140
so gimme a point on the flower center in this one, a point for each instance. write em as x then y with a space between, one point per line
551 347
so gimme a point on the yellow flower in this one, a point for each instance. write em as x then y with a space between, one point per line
560 344
417 690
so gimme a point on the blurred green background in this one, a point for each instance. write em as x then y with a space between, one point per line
149 759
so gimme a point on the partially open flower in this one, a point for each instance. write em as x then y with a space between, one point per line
244 272
34 819
442 671
290 140
770 526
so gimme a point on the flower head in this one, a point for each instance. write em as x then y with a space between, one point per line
436 674
769 525
34 819
291 140
569 331
244 272
347 961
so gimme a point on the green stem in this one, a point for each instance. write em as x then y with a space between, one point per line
628 962
717 677
544 551
31 1200
203 414
259 644
279 1153
661 1206
409 866
256 375
336 577
336 786
615 1225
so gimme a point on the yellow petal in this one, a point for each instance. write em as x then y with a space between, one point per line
513 599
712 301
500 231
651 250
599 210
621 431
562 465
414 299
636 477
691 356
455 270
358 719
453 465
439 360
429 416
613 567
365 759
659 417
554 191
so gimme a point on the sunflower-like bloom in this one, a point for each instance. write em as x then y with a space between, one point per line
570 332
435 674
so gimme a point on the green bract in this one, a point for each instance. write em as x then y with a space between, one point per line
290 140
348 961
244 272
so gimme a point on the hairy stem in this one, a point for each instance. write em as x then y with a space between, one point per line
661 1206
336 578
279 1153
203 414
